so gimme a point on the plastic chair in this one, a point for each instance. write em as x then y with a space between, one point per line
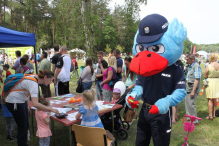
91 136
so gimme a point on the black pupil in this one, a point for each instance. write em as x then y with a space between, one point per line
155 48
141 48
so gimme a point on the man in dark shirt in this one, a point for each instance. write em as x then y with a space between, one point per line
119 61
55 58
99 75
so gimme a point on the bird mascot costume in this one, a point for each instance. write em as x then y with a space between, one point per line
160 82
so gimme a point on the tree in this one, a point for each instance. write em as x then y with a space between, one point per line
108 49
44 42
120 48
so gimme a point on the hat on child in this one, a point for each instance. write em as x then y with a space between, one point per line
116 90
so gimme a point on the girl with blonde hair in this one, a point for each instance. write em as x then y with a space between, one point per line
211 91
89 110
108 75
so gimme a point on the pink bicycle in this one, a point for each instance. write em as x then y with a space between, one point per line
189 126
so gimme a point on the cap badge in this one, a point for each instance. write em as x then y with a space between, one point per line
146 30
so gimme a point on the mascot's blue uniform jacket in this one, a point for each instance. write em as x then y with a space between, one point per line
160 82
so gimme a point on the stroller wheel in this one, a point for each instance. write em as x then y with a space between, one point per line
125 125
122 134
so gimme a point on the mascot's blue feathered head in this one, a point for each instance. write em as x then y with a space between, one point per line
157 44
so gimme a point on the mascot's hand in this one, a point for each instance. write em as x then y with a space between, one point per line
131 101
177 32
160 107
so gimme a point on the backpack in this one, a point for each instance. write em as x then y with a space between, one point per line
13 80
217 113
113 81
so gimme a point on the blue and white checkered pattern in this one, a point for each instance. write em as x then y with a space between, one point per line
197 72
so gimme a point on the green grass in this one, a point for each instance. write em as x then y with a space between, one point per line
206 134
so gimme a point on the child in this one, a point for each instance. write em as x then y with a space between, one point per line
6 69
43 130
89 110
116 95
23 63
10 123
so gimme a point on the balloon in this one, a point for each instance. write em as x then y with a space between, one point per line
120 85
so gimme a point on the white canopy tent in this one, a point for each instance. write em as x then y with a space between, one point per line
77 51
203 53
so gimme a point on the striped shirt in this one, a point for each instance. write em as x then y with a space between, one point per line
90 117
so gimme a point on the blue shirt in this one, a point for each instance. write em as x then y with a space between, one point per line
119 62
38 56
197 72
128 81
90 117
162 84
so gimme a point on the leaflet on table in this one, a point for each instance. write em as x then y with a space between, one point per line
63 110
56 101
68 95
71 116
101 105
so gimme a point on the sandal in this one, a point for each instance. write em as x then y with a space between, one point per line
173 121
209 118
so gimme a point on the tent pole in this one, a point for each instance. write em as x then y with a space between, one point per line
35 60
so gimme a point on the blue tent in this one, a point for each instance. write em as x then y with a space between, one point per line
12 38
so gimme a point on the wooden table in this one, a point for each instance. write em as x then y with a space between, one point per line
69 123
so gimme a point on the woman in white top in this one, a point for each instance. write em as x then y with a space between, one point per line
87 74
16 102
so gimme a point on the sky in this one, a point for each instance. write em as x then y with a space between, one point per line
200 17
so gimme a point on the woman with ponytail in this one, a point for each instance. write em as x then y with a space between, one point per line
17 101
87 74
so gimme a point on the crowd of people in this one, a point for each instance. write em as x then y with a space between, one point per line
58 71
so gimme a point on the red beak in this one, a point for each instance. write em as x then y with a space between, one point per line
148 63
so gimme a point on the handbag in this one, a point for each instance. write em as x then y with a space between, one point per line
129 115
217 113
113 81
79 87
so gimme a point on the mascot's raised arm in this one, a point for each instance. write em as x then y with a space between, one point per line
160 82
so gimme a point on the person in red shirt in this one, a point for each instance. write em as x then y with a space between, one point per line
6 67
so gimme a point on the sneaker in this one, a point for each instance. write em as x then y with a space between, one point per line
10 138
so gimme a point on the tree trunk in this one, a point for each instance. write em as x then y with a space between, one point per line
53 31
89 32
0 12
21 27
4 11
12 24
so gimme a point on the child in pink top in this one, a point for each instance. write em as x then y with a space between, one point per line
43 130
116 95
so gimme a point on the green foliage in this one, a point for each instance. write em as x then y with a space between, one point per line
44 42
108 49
120 48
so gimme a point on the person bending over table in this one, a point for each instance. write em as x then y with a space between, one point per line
18 103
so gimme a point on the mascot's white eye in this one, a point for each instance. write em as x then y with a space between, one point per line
140 48
157 49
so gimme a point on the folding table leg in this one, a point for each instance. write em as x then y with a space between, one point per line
53 132
70 136
112 114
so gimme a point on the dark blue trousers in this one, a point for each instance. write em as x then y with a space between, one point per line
20 115
156 126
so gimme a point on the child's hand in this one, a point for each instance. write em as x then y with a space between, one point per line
49 113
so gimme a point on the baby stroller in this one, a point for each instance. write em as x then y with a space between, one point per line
120 127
